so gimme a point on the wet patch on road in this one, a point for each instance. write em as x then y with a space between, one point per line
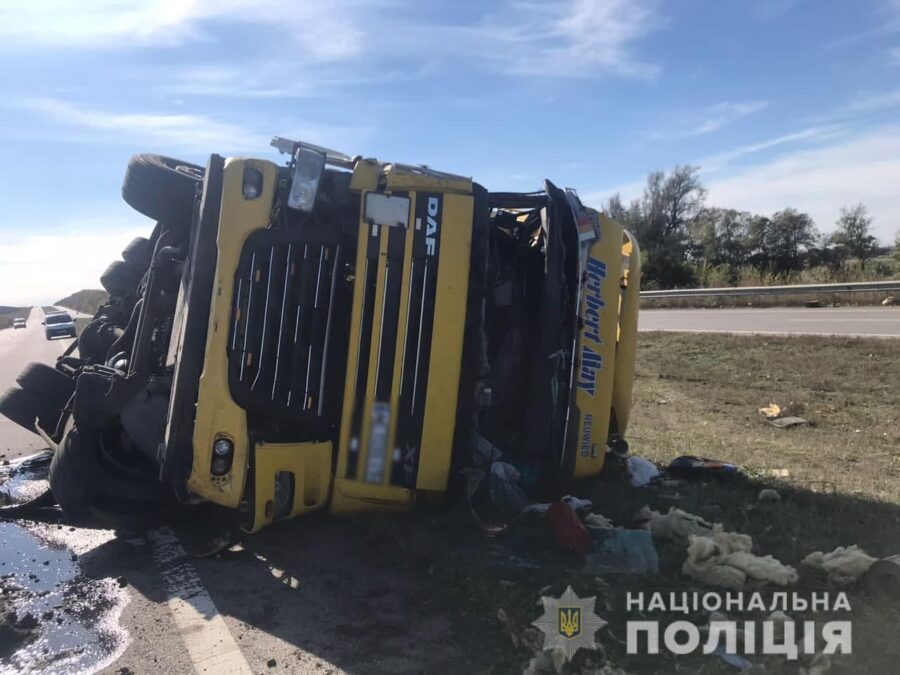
53 617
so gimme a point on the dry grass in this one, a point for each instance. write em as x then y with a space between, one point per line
800 300
700 394
7 314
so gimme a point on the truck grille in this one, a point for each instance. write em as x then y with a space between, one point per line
282 317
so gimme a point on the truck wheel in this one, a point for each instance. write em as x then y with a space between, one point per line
46 381
121 278
73 471
23 407
138 252
162 188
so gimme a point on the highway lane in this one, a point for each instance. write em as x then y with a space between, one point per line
882 322
18 348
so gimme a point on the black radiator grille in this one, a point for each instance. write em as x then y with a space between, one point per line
284 304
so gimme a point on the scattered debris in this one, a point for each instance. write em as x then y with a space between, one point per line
676 525
735 660
546 663
883 579
768 496
780 473
623 551
788 422
688 466
574 503
820 665
724 559
569 531
844 565
641 470
771 411
505 491
595 521
888 301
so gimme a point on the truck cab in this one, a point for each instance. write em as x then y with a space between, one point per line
345 333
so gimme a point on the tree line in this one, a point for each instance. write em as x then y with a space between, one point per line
683 239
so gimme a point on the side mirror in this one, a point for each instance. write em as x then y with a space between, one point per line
43 323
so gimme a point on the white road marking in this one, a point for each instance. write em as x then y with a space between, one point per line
776 333
209 643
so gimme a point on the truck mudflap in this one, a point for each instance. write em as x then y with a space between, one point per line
404 355
289 479
595 351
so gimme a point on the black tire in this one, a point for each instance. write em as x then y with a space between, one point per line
121 278
23 407
73 471
49 383
138 252
79 480
162 188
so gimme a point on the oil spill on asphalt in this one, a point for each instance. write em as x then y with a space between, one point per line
53 618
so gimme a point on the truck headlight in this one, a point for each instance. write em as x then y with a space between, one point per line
223 456
308 167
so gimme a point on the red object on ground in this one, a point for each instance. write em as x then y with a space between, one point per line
568 529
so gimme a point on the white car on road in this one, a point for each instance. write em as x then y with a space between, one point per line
57 324
19 323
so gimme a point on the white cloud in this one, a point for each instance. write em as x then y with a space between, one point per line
576 37
811 134
864 168
329 29
710 119
559 38
42 268
874 103
186 132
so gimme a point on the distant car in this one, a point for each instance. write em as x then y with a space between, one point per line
59 324
19 323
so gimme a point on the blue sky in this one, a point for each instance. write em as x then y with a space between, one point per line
781 102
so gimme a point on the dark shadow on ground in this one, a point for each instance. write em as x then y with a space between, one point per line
428 592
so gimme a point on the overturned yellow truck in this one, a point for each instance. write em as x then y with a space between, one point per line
338 332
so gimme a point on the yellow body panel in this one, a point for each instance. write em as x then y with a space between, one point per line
218 416
597 348
398 178
358 495
447 344
623 377
311 465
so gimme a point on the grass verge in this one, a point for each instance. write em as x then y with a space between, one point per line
8 314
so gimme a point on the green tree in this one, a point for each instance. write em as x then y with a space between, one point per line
720 237
853 233
787 238
661 219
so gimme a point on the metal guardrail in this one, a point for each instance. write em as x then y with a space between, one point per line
796 289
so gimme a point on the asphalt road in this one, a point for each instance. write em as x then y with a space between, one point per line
883 322
18 348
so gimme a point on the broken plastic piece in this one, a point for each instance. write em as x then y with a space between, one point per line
569 531
688 466
641 470
623 552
